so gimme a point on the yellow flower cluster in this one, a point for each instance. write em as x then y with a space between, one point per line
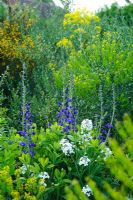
65 43
80 17
17 172
15 195
29 23
42 188
28 196
79 30
4 172
12 42
98 29
31 180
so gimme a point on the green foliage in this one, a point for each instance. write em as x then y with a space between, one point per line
123 15
90 54
75 193
49 157
120 166
3 11
93 62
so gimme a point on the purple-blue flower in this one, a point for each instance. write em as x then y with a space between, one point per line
105 130
109 126
67 114
28 131
23 144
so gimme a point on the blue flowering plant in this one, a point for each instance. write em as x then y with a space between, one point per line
66 116
27 131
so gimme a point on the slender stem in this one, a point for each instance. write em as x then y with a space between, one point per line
113 113
23 95
101 106
77 171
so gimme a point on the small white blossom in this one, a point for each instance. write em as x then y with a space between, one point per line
84 161
63 141
67 147
24 169
86 125
87 190
107 153
43 175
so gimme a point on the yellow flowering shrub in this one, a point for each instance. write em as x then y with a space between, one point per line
79 17
77 25
13 42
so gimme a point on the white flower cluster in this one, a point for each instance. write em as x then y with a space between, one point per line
44 175
84 161
24 168
86 125
107 153
67 147
87 190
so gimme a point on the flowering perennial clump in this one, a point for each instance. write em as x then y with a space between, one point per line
67 114
87 190
67 147
12 41
79 17
27 132
84 161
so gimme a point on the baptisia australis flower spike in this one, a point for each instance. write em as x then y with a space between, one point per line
106 130
28 131
67 114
